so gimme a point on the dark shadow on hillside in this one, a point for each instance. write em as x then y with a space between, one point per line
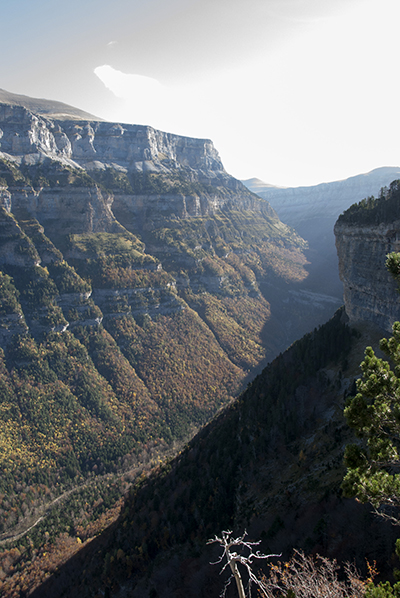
80 572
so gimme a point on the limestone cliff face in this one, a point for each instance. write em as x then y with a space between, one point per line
65 210
33 143
149 211
370 293
92 144
24 133
137 147
29 140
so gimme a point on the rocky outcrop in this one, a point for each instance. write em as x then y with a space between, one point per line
23 133
150 301
370 293
66 210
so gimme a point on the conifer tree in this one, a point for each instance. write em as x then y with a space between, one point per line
373 465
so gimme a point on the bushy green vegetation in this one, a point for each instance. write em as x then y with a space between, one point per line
9 295
56 174
134 380
66 278
180 182
374 413
192 376
114 260
375 210
61 418
113 180
237 324
10 174
48 173
225 232
124 247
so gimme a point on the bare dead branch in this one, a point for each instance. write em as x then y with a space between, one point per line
234 558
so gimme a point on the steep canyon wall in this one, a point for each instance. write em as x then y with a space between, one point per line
363 241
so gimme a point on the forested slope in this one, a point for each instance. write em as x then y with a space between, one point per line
271 463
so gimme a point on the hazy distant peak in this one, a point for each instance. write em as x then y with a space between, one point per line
255 183
377 177
50 108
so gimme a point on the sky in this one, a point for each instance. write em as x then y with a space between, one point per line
293 92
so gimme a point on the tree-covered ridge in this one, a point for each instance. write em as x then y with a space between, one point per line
72 401
51 173
48 173
144 183
113 260
222 233
375 210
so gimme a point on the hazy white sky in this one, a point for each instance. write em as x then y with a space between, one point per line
295 92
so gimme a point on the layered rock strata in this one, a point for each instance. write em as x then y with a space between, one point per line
370 293
29 140
151 221
96 144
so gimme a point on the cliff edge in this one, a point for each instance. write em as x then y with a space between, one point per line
365 234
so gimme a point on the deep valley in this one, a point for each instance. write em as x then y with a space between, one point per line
173 362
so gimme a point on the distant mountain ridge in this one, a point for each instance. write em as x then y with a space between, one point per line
255 183
300 203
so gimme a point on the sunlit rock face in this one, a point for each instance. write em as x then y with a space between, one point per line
138 147
94 144
24 133
30 140
370 293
